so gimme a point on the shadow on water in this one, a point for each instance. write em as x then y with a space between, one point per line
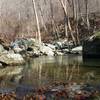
46 70
90 62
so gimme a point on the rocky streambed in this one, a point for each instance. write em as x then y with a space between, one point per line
55 91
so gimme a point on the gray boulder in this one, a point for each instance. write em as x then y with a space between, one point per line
46 50
77 50
11 59
1 48
91 48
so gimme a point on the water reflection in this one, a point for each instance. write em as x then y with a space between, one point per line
45 70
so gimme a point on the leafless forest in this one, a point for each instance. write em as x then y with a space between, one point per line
49 18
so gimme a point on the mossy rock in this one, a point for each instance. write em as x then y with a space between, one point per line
91 47
97 34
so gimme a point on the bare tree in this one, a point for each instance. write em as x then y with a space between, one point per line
37 20
69 25
87 15
42 18
77 24
66 22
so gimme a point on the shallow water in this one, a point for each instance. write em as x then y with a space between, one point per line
46 70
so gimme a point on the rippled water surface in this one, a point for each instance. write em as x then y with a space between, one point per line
46 70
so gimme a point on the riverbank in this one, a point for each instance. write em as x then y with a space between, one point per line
17 51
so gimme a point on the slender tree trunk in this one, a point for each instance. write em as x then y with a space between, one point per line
77 20
69 25
73 38
74 9
66 25
79 8
53 25
87 15
37 21
97 5
42 18
66 21
51 17
55 29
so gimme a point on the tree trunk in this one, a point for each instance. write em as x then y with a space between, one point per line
42 18
77 24
53 25
69 25
37 21
66 22
74 9
87 16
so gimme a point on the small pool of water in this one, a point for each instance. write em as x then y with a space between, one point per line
46 70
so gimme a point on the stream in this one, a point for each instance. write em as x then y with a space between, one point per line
45 70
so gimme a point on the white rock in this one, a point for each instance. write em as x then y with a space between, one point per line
51 46
32 40
77 49
11 59
0 65
16 57
59 53
17 49
47 50
1 48
59 43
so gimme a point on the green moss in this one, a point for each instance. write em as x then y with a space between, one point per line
97 34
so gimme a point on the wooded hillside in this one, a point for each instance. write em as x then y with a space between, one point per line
17 16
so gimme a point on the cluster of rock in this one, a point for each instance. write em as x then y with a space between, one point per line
32 47
21 48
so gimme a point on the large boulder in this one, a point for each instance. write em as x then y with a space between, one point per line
63 44
33 51
1 48
19 45
77 50
46 50
24 42
51 46
11 59
91 47
17 49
